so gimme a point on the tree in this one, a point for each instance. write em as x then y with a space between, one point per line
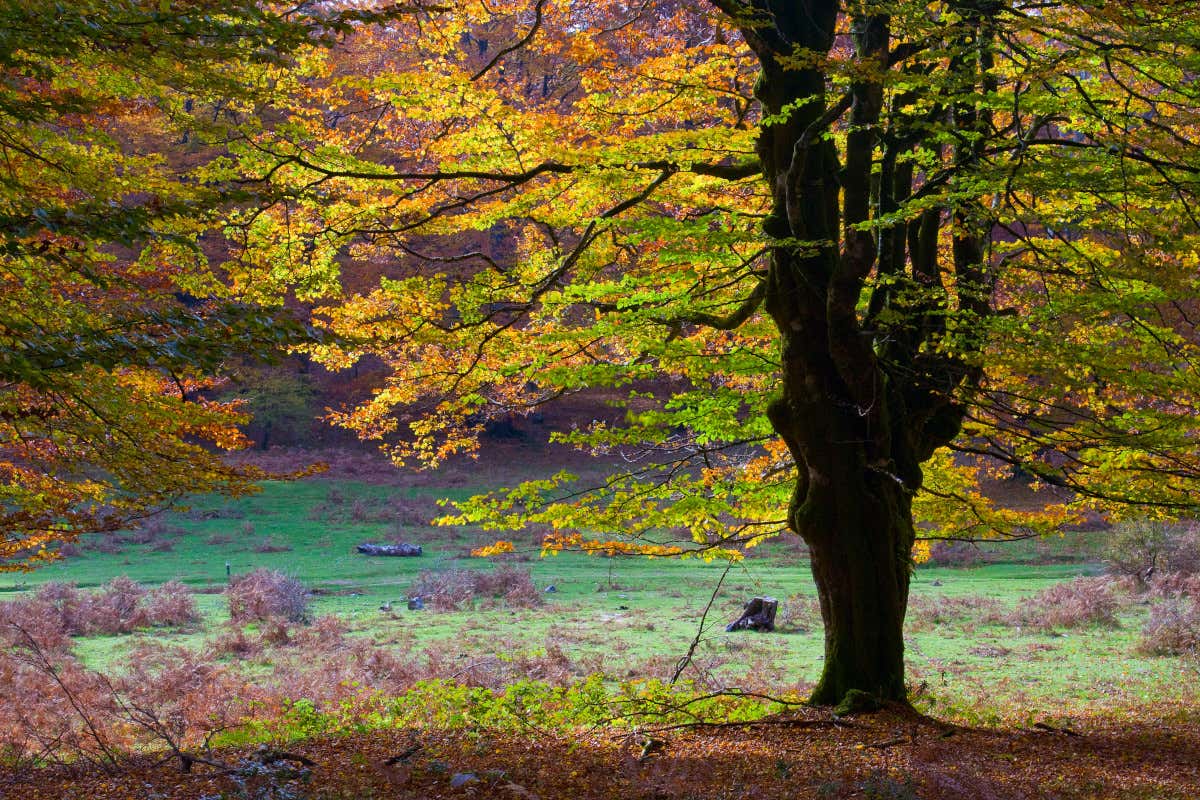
835 262
118 301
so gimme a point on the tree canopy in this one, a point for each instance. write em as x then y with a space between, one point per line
834 263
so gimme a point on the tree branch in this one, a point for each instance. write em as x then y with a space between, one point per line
524 40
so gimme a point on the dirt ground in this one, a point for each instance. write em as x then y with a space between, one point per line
805 755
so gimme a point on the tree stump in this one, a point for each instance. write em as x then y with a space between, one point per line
758 615
401 549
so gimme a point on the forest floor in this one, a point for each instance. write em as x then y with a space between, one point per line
802 755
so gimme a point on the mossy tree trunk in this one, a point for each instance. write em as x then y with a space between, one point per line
859 410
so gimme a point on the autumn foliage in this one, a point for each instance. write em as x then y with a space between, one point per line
832 268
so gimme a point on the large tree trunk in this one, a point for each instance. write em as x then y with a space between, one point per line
855 476
860 536
853 507
861 405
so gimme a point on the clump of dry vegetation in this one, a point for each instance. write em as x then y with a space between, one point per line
120 606
1173 628
1072 604
455 589
926 612
264 594
799 613
270 544
955 554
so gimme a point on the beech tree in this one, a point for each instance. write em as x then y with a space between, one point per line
835 262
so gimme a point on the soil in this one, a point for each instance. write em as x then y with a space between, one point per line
807 755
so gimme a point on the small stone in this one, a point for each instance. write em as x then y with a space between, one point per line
462 779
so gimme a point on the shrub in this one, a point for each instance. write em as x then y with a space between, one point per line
263 593
111 610
109 543
448 590
925 612
69 549
55 711
454 589
955 554
275 632
327 632
191 697
1073 604
171 605
154 530
1183 556
116 608
1142 549
35 619
234 642
1175 584
58 610
408 512
1173 629
798 614
511 585
64 601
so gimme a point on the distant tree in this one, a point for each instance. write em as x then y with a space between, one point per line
280 401
863 253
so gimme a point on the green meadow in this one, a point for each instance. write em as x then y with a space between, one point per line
971 656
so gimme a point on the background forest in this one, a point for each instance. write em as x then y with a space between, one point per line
626 313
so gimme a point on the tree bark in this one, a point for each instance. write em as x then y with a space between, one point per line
853 508
863 402
838 412
860 537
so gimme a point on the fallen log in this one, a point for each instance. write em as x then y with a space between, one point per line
401 549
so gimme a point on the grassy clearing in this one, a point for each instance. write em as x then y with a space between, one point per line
627 617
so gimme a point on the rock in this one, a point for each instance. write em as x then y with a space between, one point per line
460 779
415 604
400 549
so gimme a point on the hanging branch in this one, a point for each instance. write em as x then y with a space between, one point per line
687 659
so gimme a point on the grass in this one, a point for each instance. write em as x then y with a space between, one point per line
627 616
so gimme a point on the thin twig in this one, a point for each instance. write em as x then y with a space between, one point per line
687 659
